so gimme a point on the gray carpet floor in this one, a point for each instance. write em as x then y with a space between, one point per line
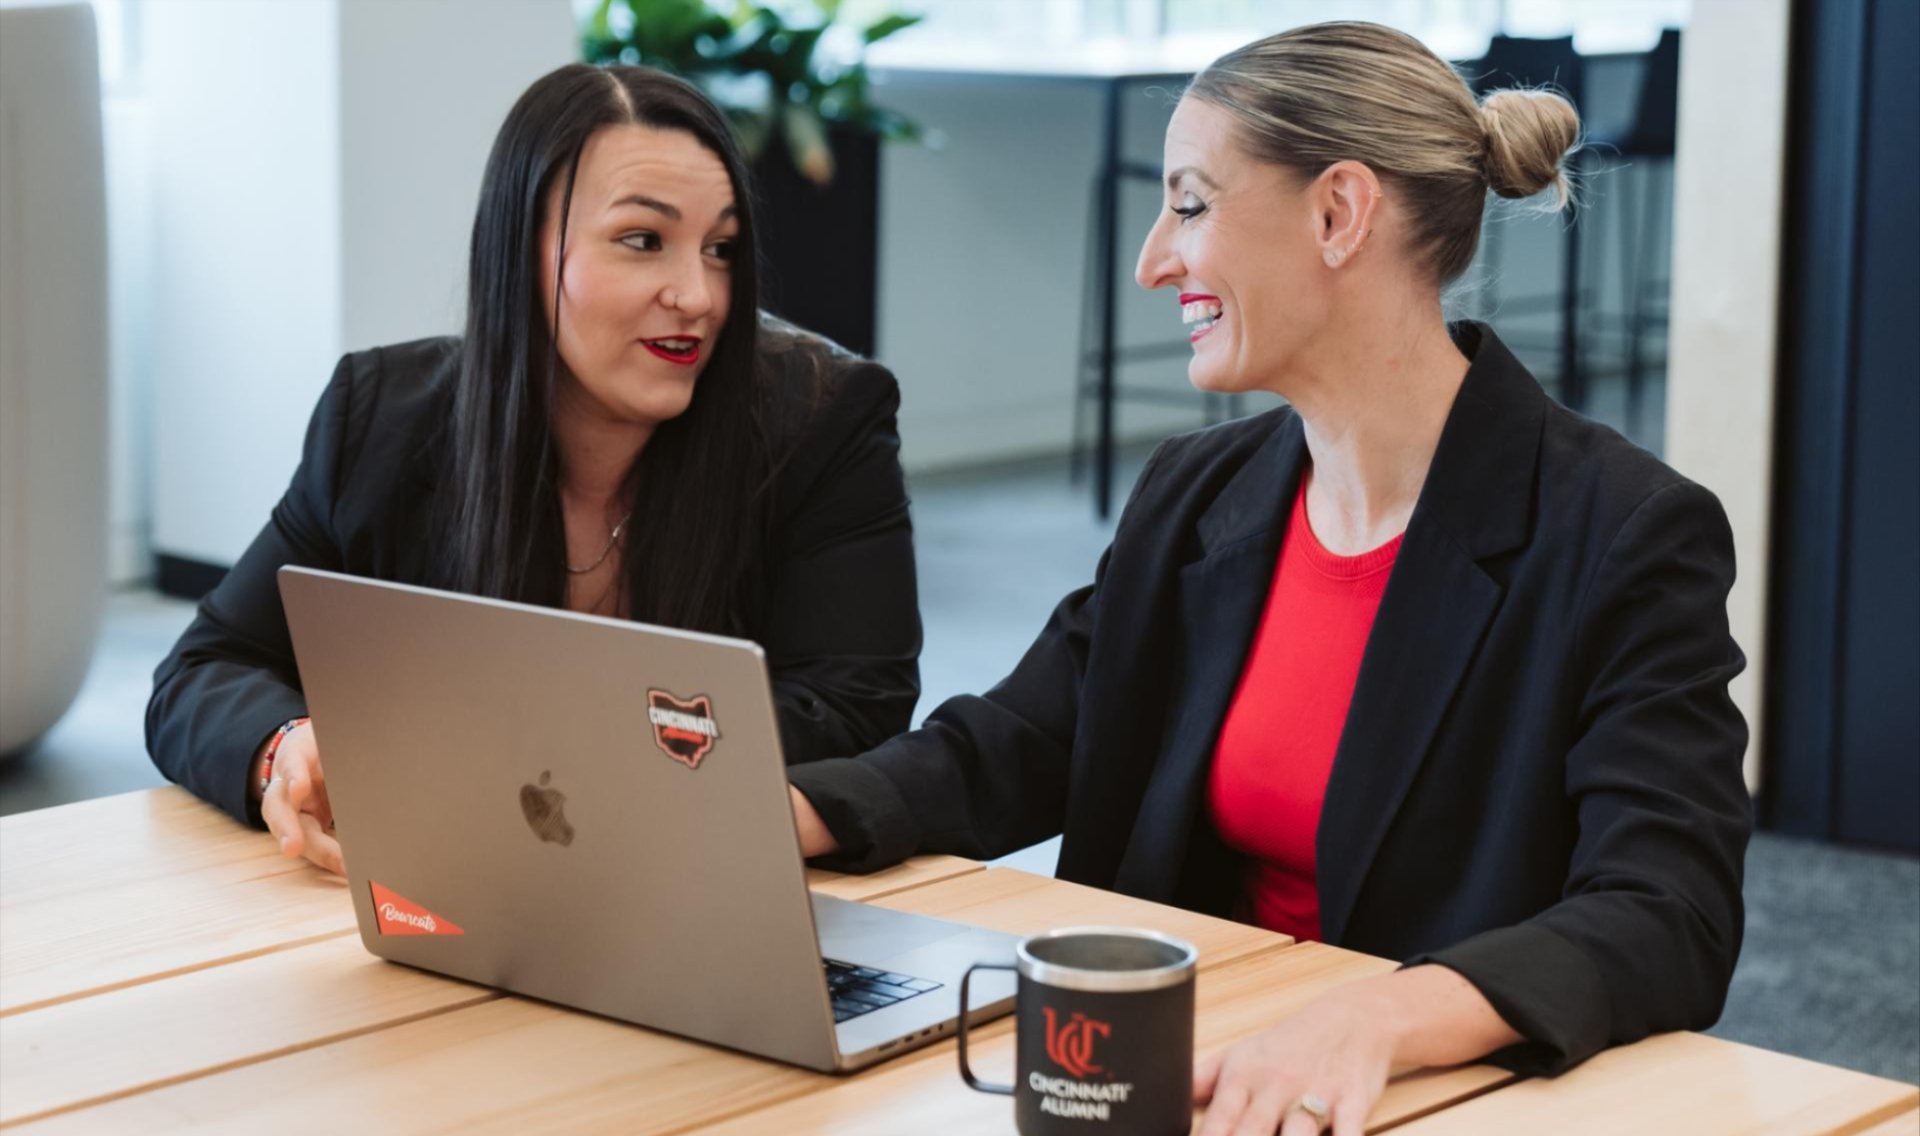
1831 966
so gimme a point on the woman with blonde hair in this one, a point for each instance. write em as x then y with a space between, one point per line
1422 664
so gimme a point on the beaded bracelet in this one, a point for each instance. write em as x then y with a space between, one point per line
273 747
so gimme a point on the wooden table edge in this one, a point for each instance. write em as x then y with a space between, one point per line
479 997
1884 1116
927 881
1490 1087
175 972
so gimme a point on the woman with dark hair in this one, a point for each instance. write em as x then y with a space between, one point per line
619 431
1421 664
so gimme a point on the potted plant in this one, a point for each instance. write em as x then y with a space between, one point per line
804 117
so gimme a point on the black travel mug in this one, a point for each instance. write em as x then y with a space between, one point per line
1104 1033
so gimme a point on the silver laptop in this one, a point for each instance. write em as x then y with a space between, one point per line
595 812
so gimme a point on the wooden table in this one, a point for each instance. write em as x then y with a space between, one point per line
162 969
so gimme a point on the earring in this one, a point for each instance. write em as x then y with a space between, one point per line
1334 257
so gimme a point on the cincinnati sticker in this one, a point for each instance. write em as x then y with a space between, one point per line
684 729
398 915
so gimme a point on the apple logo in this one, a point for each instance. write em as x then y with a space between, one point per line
546 811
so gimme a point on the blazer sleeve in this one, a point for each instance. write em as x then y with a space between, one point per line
231 680
842 619
1646 934
986 774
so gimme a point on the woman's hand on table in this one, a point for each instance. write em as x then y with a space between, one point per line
1341 1049
1338 1049
295 804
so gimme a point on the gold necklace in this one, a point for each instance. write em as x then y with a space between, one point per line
612 540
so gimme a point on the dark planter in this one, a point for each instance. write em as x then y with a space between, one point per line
819 244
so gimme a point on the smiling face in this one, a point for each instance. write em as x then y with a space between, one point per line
1241 242
648 272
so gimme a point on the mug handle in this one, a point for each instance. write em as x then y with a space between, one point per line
966 1071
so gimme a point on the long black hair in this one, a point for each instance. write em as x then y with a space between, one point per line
698 487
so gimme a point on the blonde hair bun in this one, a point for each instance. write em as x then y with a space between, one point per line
1341 91
1529 135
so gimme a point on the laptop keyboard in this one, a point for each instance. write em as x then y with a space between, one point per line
860 990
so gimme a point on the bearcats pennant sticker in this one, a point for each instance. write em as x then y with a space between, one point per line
398 915
684 729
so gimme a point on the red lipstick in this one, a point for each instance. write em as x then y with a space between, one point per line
1202 331
683 357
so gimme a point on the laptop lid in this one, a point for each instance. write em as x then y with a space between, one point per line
585 810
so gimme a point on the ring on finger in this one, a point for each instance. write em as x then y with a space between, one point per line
1316 1106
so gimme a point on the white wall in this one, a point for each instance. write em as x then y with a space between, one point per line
246 256
427 83
314 167
1726 260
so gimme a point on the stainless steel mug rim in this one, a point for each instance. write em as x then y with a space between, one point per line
1106 981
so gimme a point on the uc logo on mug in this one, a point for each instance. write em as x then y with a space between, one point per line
1071 1046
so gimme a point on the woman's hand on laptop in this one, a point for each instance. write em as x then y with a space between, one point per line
815 840
295 805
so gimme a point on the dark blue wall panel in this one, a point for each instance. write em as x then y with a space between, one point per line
1879 712
1843 701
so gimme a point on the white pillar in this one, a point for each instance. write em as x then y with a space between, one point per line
1729 186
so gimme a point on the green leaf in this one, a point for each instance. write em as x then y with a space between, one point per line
755 41
769 18
668 33
730 46
886 26
596 25
597 41
800 49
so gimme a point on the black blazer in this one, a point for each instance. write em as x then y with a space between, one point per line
1539 782
841 623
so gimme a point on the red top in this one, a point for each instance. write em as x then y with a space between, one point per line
1276 747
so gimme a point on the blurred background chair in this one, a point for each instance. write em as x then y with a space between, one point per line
53 364
1646 149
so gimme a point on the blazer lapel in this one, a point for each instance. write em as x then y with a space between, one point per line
1475 504
1221 598
1437 606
